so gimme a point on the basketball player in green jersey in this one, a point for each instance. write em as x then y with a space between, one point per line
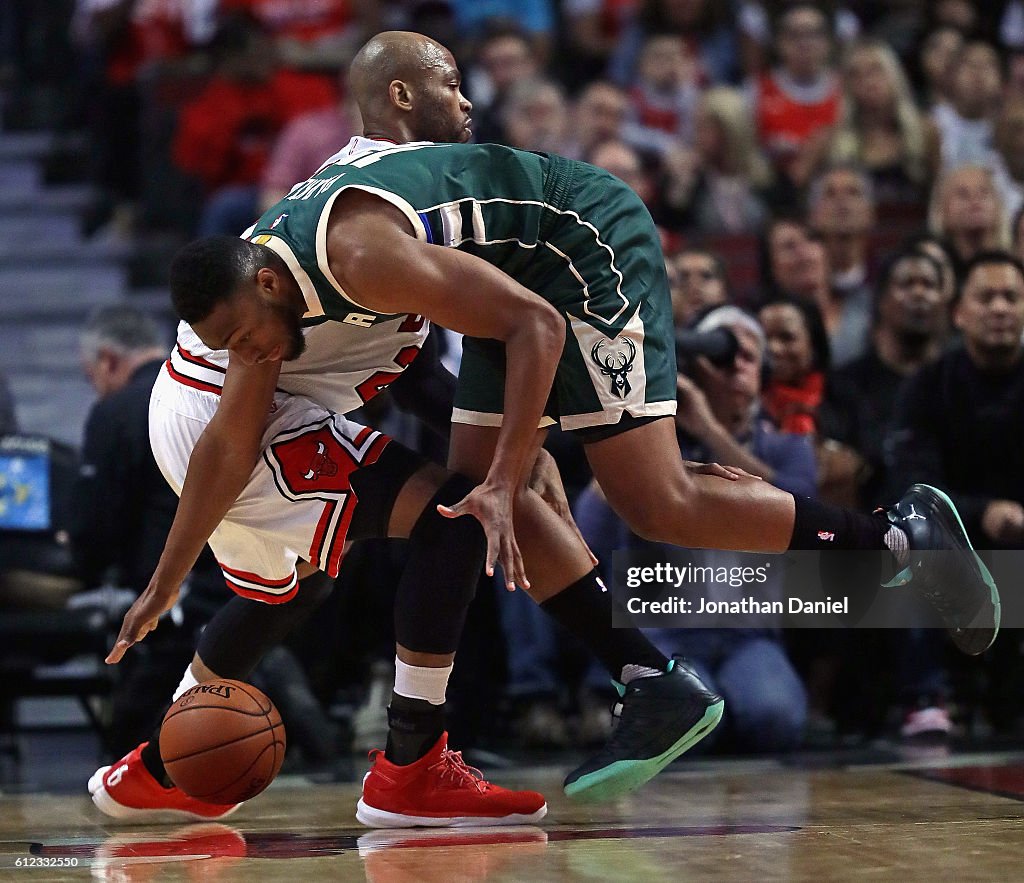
490 241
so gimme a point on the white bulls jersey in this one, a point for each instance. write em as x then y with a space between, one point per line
343 367
298 502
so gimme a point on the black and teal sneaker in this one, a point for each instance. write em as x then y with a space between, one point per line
945 569
661 717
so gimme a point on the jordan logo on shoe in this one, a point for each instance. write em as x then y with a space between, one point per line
913 513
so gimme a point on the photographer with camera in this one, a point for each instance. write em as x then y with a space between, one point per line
720 411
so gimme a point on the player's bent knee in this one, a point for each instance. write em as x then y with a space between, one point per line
446 558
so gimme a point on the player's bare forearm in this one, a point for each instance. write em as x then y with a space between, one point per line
532 355
219 467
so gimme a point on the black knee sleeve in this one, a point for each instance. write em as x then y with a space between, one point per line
242 631
446 557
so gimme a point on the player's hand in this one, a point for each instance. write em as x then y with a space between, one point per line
733 473
546 480
492 507
141 619
693 411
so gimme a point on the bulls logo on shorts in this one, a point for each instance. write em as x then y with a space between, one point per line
315 463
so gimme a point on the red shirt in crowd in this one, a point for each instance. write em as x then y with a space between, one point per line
226 133
786 119
306 20
156 30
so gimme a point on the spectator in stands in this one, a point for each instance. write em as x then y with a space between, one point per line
802 95
705 26
8 416
1008 139
593 29
959 14
303 145
319 36
797 267
625 163
794 395
697 281
972 401
967 209
120 40
941 47
720 419
1017 230
226 132
793 262
798 353
965 124
599 115
505 57
940 251
123 509
909 329
663 96
754 26
959 423
880 127
535 116
841 211
717 185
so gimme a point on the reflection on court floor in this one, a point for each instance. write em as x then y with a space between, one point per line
943 818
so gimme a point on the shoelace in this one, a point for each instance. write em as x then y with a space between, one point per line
451 765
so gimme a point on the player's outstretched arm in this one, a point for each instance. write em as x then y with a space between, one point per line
379 263
220 466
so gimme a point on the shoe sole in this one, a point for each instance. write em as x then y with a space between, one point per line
982 570
623 776
110 807
382 818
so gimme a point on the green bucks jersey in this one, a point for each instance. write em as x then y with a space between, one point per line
573 234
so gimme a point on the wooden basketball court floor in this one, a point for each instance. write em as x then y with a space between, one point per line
945 818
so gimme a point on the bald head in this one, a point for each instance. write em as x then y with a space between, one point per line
408 88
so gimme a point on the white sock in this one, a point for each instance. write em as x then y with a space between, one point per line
419 682
187 683
632 672
899 544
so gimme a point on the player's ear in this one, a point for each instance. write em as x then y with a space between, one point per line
400 94
268 283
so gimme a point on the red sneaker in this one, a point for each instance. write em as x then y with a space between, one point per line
127 790
439 790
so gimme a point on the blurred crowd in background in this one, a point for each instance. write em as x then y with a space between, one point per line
839 184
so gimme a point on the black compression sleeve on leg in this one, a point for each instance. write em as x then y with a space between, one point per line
234 641
446 557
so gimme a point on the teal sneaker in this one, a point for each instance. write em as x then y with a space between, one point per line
661 717
945 569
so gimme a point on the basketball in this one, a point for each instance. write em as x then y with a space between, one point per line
222 741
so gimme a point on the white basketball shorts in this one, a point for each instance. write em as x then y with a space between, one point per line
297 502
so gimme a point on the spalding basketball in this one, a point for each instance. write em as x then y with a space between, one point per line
222 741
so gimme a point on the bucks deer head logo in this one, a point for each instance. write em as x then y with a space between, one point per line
615 359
